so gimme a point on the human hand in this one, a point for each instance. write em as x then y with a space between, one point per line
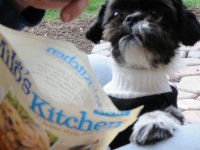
70 9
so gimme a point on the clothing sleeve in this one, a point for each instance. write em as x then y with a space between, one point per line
10 17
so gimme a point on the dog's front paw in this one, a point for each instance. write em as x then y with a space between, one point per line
153 127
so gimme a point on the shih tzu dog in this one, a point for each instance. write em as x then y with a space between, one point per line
145 36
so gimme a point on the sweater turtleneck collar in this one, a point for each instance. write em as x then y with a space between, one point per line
129 83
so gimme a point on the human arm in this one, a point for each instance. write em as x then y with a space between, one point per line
12 17
70 9
20 13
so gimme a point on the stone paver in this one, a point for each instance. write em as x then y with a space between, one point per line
104 53
190 62
189 104
192 116
101 47
186 71
186 79
189 77
190 84
194 54
186 95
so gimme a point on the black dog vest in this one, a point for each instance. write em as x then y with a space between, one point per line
150 103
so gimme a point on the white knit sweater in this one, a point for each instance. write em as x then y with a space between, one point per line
129 83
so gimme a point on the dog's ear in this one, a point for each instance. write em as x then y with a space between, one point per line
190 29
95 32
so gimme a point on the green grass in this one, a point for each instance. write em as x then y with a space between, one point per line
52 15
94 6
192 3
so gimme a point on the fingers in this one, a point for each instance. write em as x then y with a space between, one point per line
73 10
47 4
70 9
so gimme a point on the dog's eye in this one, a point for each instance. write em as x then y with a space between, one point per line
116 14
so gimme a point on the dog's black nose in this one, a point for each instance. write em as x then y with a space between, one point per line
130 20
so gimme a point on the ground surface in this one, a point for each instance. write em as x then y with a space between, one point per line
73 31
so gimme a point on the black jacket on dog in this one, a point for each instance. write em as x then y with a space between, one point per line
150 103
145 36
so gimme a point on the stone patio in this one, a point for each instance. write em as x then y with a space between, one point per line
186 79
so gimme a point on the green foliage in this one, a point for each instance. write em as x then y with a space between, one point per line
14 102
94 6
192 3
52 15
52 138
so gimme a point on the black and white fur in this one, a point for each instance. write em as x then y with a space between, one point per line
145 36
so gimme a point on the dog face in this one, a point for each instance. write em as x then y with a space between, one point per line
145 33
10 120
35 138
23 135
